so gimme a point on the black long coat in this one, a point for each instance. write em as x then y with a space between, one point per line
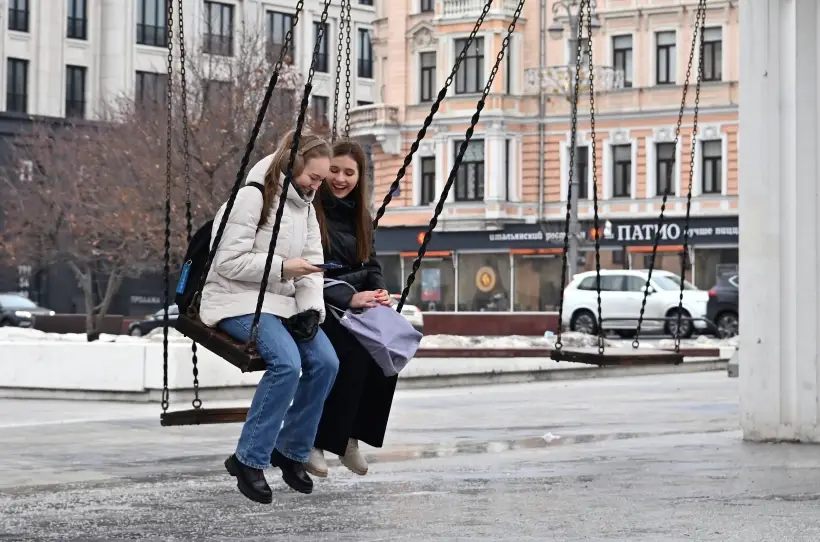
359 404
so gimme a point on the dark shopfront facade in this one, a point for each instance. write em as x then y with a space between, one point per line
518 268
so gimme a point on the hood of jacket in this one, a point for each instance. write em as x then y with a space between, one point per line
296 195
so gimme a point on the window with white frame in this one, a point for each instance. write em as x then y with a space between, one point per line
218 35
622 171
665 51
580 170
428 180
470 176
279 24
712 54
427 76
664 169
711 167
365 52
622 57
470 76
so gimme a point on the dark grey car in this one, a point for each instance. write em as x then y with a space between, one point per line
19 311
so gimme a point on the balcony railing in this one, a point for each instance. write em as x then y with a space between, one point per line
371 116
471 9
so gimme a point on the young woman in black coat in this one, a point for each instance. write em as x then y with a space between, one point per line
359 404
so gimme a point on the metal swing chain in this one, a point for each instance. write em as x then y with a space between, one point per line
186 159
701 14
442 93
685 254
595 218
294 150
340 43
348 25
243 166
573 141
459 157
168 180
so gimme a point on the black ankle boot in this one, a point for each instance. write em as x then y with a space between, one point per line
251 482
293 473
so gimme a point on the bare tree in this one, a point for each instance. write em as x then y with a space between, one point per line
95 198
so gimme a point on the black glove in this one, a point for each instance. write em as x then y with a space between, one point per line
303 326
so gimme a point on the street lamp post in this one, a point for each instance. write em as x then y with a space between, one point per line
571 10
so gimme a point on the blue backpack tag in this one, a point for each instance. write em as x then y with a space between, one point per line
183 278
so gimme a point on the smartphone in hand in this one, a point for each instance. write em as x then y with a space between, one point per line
331 266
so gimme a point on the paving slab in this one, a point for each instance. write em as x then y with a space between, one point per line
631 459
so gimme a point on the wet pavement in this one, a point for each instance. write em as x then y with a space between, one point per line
626 459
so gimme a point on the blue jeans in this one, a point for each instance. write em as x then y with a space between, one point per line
281 384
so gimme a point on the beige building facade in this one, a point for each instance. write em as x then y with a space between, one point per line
499 237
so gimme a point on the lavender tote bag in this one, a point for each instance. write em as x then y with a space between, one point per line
386 335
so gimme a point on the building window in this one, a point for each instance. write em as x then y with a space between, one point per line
18 15
665 58
323 59
470 76
435 287
664 169
712 54
621 171
580 169
75 92
278 26
218 38
427 6
151 23
319 109
17 85
77 20
622 57
365 54
362 103
508 63
151 89
712 152
428 180
365 2
470 176
427 63
216 93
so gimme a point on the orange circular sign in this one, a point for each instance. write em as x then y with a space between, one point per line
485 279
420 237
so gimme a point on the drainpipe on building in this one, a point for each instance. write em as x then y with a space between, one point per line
542 107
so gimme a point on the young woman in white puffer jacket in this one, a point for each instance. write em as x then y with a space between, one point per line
276 432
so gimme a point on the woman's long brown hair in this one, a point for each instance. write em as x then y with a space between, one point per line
364 224
316 148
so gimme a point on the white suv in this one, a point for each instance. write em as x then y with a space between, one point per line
622 293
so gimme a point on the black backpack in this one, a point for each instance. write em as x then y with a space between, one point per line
195 258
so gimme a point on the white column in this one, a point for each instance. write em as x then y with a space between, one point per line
779 243
444 162
494 175
116 59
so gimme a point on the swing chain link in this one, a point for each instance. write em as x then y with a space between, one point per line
442 93
460 156
701 13
595 218
168 181
294 150
340 44
685 253
186 159
573 143
348 75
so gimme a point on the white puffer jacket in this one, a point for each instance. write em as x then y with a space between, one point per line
232 286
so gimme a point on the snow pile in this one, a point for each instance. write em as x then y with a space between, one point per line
569 339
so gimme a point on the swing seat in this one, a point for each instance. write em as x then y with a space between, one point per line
617 356
220 344
203 416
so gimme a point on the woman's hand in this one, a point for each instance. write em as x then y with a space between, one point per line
363 300
298 267
383 298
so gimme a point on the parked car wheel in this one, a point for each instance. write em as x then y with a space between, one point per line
135 332
727 325
584 321
686 326
626 333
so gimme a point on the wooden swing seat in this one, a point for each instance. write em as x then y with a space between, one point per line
220 344
617 356
203 416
